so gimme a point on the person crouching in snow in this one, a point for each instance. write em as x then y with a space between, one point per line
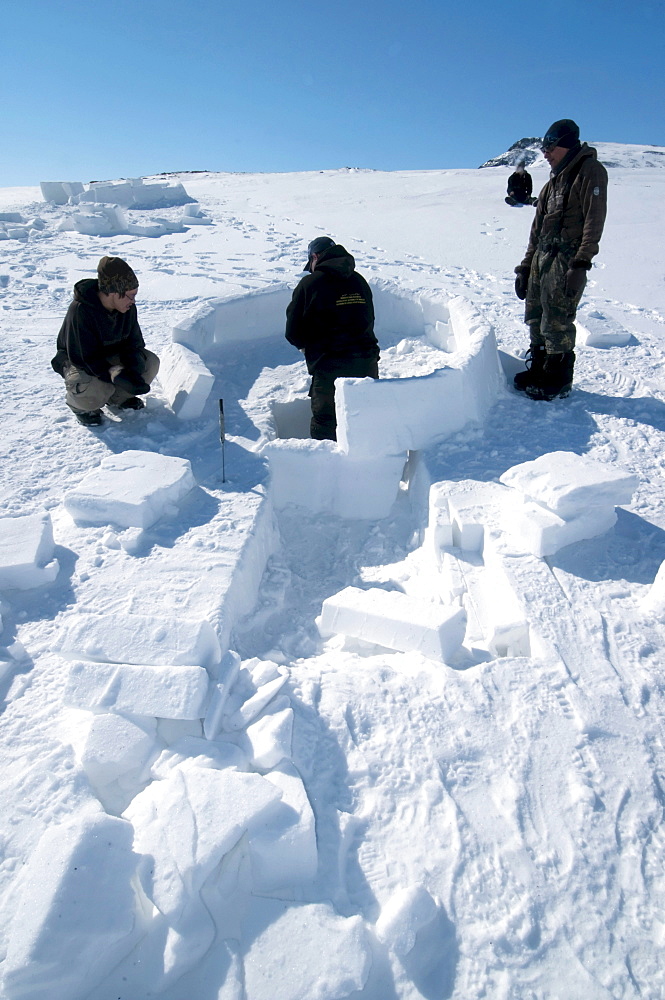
331 319
520 187
101 353
565 235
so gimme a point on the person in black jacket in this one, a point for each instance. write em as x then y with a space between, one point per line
100 350
331 320
520 187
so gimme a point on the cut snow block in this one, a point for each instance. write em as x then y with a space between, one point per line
185 824
571 484
185 380
254 705
600 330
317 475
439 530
140 639
165 692
284 853
226 677
268 741
113 746
654 602
132 489
474 507
104 220
55 191
404 915
390 618
193 751
542 532
303 952
26 551
76 916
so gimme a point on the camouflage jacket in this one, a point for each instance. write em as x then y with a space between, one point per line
571 209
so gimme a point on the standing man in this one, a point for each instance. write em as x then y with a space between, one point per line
100 350
520 187
565 236
331 319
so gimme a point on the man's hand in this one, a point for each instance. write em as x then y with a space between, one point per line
522 280
576 277
131 382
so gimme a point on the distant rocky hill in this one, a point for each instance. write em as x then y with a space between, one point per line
612 154
526 150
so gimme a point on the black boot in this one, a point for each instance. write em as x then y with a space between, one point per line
535 359
89 418
556 379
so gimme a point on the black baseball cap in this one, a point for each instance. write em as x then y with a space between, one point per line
318 245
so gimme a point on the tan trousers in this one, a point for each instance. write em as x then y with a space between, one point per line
86 392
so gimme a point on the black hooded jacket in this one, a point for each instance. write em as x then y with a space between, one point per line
90 335
520 186
331 313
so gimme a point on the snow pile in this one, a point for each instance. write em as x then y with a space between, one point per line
102 204
14 227
135 194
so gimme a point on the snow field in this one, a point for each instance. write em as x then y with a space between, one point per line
191 811
489 831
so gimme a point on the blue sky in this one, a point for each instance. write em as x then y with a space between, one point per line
104 90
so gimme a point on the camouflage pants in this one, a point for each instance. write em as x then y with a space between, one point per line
549 312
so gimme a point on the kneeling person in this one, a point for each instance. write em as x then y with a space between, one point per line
331 318
101 353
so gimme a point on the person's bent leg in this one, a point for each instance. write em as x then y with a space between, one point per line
146 370
86 393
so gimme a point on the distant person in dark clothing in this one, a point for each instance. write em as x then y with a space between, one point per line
520 187
100 350
331 319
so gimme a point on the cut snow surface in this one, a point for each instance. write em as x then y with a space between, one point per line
343 816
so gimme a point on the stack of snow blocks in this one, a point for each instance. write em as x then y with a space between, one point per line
486 542
564 498
159 872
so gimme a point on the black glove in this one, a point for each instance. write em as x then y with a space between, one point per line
576 277
522 281
130 382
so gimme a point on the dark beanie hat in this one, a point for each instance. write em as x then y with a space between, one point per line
563 133
115 275
318 245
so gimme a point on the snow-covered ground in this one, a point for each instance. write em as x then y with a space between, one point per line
207 794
